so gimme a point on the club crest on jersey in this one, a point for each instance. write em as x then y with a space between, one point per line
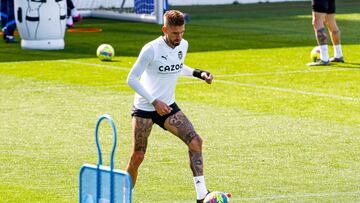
180 54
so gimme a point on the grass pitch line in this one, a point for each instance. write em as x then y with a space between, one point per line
96 65
221 76
279 89
288 197
299 196
285 72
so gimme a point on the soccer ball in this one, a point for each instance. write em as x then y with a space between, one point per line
315 54
105 52
217 197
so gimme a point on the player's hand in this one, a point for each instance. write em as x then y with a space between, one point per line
161 107
208 77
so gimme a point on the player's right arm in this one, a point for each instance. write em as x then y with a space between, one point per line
143 61
145 57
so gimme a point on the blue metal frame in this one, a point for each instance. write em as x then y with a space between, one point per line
108 117
99 167
104 169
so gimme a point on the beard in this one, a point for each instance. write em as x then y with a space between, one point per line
172 43
175 43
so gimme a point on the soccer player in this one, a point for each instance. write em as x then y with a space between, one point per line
8 22
153 77
324 11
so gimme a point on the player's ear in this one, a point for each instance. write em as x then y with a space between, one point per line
164 29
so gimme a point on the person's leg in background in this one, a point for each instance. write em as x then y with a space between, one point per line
11 23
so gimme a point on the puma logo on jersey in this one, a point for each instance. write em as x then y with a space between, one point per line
164 57
171 68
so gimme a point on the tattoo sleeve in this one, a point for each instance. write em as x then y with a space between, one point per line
321 36
141 130
184 129
196 163
180 125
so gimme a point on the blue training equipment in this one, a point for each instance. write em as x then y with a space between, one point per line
103 184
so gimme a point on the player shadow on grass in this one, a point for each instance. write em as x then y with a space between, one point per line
113 60
352 65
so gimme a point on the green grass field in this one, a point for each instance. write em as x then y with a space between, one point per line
274 129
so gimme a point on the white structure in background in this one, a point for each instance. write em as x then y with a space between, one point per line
130 3
129 9
41 23
215 2
132 10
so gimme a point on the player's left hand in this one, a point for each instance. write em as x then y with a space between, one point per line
208 77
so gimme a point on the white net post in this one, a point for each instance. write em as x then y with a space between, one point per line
159 11
133 10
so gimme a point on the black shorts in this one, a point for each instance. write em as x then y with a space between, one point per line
324 6
155 117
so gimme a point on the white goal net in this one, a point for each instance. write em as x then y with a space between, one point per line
133 10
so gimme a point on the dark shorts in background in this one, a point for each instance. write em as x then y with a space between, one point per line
324 6
155 117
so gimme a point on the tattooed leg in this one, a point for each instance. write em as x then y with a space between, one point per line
179 125
333 28
141 131
318 24
196 163
321 36
335 37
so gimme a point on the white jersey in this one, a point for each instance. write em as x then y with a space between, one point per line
156 71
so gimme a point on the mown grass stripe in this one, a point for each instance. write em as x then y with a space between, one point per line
318 94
